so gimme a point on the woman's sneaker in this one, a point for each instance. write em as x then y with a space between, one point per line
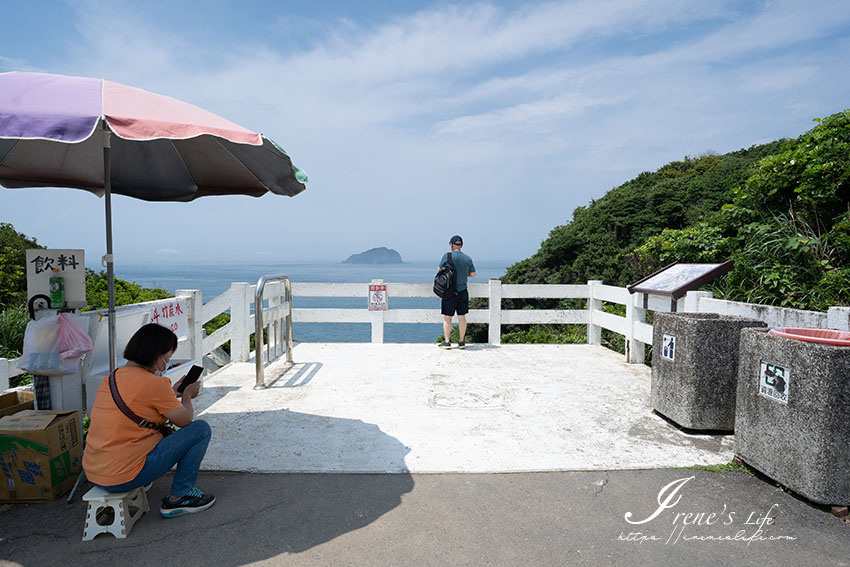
195 501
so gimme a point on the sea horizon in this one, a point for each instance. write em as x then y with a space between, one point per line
213 279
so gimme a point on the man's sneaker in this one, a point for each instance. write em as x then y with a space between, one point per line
195 501
445 345
461 344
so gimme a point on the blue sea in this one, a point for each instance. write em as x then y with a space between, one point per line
214 279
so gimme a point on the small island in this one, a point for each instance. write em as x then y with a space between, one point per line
380 255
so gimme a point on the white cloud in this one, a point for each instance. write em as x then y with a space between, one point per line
558 100
526 114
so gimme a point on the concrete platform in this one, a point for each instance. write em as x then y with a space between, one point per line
391 408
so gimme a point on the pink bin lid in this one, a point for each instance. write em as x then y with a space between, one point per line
822 336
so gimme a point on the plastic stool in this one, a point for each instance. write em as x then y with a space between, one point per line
126 508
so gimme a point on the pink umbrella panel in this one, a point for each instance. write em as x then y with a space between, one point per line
163 149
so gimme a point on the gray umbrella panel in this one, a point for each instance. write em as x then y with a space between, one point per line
154 170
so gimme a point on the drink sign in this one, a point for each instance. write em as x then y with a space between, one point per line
58 274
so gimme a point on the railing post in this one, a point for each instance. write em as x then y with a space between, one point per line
494 332
635 350
240 318
4 374
838 318
693 298
377 326
594 332
195 302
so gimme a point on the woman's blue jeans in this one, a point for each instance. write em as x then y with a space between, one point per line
186 447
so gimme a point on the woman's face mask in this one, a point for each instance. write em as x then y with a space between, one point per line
162 363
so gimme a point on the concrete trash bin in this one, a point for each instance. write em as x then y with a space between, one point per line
792 421
695 368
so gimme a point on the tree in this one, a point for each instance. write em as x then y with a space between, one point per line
13 273
126 292
787 228
809 179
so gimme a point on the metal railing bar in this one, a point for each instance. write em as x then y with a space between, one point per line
259 326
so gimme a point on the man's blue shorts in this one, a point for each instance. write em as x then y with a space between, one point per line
458 303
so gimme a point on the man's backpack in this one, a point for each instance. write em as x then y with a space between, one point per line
446 279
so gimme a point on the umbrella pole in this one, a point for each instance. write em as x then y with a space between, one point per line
110 274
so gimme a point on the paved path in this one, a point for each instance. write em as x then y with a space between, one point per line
521 519
415 408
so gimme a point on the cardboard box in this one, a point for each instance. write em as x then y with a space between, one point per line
13 402
41 455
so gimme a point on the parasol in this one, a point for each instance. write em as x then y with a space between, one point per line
106 137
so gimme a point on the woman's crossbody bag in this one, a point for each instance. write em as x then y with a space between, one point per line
164 428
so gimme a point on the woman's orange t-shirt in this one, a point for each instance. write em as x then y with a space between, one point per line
116 447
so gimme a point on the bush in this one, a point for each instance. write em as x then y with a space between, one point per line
13 325
783 261
215 324
126 293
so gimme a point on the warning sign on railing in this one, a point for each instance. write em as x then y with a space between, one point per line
377 295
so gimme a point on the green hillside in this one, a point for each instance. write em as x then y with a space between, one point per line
779 211
600 240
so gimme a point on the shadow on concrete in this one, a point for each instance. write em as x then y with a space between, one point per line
210 395
256 516
479 346
301 374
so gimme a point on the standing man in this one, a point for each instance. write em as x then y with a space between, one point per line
459 302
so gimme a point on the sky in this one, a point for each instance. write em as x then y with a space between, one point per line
419 120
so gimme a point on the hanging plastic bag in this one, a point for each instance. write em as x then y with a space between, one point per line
74 342
43 342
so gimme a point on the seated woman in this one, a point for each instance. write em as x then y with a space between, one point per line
122 455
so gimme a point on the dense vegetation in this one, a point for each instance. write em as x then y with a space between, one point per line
13 265
778 210
600 240
787 228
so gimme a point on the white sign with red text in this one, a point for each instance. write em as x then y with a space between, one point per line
171 313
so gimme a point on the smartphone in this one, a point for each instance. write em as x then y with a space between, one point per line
191 377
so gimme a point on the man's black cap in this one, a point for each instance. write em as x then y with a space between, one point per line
456 240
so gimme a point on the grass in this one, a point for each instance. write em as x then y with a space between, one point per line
13 325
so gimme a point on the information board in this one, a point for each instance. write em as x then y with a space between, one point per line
677 279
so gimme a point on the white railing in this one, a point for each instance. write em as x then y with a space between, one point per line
494 315
239 301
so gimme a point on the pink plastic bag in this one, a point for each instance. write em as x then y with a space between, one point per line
53 345
73 341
